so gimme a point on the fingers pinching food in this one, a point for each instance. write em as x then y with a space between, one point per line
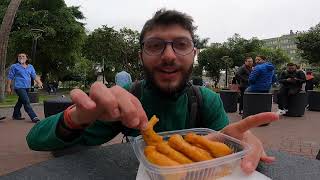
150 137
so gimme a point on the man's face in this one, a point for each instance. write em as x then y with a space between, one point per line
168 70
291 68
249 62
259 60
22 58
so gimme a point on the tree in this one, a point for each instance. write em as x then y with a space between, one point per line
240 48
200 43
210 59
4 38
119 50
60 43
309 44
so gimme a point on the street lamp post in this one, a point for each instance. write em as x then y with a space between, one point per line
227 61
37 33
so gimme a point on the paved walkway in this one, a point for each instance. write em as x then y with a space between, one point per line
294 135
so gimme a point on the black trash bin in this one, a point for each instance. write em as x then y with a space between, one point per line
33 97
255 103
229 99
297 104
314 100
54 106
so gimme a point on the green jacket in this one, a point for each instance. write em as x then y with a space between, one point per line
172 113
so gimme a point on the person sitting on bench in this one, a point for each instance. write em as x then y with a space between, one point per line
291 82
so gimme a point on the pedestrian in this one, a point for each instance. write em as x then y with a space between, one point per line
262 76
243 76
122 78
291 81
309 81
21 73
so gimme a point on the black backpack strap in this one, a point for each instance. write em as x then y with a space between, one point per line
194 106
136 91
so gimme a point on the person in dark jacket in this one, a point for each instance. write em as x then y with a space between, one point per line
309 81
243 75
291 82
262 76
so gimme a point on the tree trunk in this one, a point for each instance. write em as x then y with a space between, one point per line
4 38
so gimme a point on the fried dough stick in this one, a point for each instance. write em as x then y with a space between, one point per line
217 149
165 149
157 158
178 143
150 137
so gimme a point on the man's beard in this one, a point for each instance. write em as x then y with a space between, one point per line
168 89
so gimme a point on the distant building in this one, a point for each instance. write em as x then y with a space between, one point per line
287 43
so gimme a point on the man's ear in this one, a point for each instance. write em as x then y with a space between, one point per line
195 52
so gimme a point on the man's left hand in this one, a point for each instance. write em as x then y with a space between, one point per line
240 130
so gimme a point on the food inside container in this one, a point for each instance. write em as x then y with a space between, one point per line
186 155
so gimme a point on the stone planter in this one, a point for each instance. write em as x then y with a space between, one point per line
230 100
255 103
54 106
297 104
314 100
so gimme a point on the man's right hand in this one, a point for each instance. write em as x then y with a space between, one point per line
107 104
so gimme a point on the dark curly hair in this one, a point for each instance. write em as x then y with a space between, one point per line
167 18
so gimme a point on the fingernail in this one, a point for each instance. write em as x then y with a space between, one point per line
116 112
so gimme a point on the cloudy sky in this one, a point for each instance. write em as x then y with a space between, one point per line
216 19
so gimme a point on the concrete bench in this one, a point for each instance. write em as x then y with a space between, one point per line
314 100
297 104
54 106
255 103
230 100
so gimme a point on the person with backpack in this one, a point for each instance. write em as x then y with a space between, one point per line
122 78
167 54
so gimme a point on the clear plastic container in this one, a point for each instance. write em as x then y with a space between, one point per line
205 170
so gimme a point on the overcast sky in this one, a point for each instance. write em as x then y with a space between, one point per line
216 19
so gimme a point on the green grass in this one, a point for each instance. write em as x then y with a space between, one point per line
11 100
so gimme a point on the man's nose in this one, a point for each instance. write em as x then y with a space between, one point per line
168 53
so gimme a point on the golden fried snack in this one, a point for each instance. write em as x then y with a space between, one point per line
165 149
157 158
178 143
217 149
148 134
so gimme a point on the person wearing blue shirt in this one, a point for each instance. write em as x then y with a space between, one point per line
22 73
123 78
262 76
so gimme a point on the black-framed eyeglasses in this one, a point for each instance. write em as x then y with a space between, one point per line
155 46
